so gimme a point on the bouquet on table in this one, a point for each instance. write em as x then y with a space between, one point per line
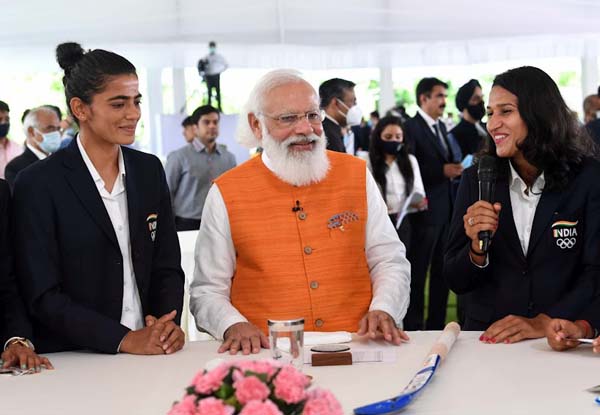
254 388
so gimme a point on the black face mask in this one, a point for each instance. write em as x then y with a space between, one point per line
476 111
392 147
4 129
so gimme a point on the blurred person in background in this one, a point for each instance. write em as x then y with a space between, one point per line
8 148
395 170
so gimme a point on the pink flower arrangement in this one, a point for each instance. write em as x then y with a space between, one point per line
254 388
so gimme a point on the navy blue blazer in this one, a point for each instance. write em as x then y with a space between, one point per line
17 164
68 259
13 316
430 154
558 276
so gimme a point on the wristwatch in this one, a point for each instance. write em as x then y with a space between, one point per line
19 340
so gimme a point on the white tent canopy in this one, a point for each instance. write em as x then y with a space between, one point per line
304 34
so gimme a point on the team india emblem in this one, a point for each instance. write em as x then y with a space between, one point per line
151 221
565 234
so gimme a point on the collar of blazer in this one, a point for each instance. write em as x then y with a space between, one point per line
81 182
544 214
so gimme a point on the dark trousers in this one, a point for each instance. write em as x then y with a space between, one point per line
403 231
427 248
185 224
214 82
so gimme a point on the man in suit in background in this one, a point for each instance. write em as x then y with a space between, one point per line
337 97
42 128
427 137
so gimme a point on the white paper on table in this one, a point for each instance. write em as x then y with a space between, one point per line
314 338
413 199
362 354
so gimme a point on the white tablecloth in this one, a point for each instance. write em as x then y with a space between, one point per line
479 379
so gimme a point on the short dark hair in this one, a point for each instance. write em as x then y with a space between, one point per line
187 121
555 144
212 44
24 115
375 114
333 88
4 107
203 110
87 73
426 85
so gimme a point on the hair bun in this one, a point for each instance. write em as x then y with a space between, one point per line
68 54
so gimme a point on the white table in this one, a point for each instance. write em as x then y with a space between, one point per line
524 378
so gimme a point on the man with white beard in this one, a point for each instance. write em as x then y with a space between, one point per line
297 232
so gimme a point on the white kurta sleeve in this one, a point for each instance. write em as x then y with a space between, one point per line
386 258
214 268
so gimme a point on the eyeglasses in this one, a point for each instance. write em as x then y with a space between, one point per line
289 120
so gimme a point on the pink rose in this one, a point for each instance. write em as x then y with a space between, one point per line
187 406
214 406
290 384
206 383
249 389
260 408
322 402
267 367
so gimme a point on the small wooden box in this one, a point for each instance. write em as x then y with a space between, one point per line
331 359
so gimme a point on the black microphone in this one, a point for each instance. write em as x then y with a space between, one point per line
297 207
486 173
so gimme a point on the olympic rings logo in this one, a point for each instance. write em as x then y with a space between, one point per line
566 243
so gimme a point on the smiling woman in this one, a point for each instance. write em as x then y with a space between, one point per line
547 181
106 274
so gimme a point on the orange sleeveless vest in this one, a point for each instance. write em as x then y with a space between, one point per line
294 263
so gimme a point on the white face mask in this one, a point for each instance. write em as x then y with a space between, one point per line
50 142
354 114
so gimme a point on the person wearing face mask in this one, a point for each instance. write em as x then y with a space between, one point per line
470 132
210 68
42 128
8 148
395 170
338 100
544 256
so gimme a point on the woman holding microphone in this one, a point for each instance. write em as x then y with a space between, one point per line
544 256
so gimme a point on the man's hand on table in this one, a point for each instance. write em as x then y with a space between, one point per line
379 324
245 337
512 329
160 336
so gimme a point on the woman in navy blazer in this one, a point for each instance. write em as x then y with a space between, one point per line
71 256
544 258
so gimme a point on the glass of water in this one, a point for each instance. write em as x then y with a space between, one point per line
286 338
